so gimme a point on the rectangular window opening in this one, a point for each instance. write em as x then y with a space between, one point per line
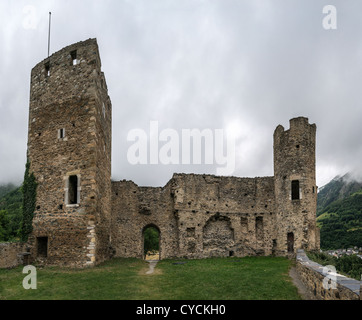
42 247
295 190
73 190
244 224
47 69
259 228
73 54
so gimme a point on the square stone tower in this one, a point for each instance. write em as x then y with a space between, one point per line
69 149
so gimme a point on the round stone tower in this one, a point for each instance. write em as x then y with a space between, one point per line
295 187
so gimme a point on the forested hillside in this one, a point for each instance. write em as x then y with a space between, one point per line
337 189
10 212
340 213
5 189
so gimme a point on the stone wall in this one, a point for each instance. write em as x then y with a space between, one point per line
320 281
198 216
133 210
10 254
223 216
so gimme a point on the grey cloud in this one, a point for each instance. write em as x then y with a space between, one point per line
199 64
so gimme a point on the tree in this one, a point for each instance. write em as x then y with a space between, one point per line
151 242
29 202
4 226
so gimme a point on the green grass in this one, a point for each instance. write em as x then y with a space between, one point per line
250 278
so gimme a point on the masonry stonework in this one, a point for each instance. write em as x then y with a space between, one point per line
83 218
70 136
11 254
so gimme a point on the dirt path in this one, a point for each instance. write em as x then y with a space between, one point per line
304 292
152 266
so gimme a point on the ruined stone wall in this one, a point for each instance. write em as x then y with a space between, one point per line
198 216
222 216
135 208
9 254
66 137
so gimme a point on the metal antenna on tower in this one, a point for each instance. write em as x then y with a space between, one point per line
50 19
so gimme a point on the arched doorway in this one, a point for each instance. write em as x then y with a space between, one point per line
151 236
218 236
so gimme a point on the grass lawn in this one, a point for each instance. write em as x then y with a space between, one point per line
249 278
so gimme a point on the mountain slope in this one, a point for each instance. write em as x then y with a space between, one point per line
11 203
4 189
337 189
341 222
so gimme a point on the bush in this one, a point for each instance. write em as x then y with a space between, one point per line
4 226
29 202
151 240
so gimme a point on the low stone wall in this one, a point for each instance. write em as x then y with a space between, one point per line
323 283
12 254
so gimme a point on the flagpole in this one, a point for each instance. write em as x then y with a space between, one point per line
50 18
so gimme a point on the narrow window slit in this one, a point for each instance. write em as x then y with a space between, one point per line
61 133
73 190
47 69
295 190
73 54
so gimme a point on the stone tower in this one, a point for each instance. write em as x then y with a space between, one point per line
295 187
69 148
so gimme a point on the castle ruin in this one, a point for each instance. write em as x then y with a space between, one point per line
83 218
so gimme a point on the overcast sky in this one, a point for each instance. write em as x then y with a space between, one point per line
237 65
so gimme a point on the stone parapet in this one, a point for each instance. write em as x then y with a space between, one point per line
324 283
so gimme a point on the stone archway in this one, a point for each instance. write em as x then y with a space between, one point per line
218 236
151 242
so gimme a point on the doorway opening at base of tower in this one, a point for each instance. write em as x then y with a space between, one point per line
151 242
42 247
290 242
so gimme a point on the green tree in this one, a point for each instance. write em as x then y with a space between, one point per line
12 202
29 202
4 226
151 240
